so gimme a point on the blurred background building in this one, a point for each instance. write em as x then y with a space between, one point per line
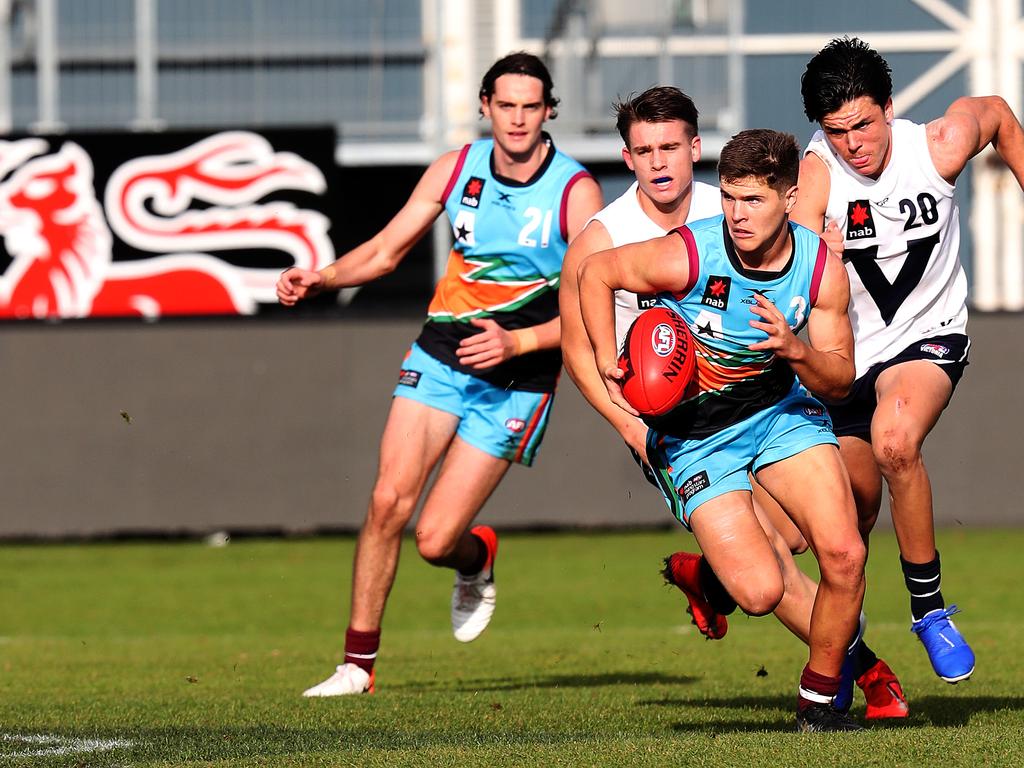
115 426
398 79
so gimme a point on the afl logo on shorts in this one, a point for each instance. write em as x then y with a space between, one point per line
663 340
515 425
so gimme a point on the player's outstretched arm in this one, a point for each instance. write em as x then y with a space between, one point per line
825 365
578 354
381 254
970 124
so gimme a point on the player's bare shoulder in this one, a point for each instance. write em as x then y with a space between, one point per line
593 238
954 138
813 189
436 178
585 199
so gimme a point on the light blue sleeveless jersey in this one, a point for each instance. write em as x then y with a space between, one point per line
734 382
506 262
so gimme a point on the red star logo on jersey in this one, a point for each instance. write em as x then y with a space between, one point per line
860 224
472 191
716 292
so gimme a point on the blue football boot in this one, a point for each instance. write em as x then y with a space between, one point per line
950 655
844 697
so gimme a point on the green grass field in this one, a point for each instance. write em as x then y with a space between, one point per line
172 654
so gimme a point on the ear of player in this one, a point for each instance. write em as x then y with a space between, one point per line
659 361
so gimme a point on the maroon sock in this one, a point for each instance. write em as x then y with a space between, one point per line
815 689
361 648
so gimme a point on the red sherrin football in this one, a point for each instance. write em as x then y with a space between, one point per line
659 360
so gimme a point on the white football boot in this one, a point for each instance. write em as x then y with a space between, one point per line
474 597
346 680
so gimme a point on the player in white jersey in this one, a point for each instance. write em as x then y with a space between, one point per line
660 133
882 191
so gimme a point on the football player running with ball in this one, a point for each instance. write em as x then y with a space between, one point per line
475 390
885 189
659 130
747 282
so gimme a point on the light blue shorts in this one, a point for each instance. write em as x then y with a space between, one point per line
690 472
505 423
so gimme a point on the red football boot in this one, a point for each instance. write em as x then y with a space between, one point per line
683 570
883 693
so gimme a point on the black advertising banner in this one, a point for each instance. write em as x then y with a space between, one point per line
160 224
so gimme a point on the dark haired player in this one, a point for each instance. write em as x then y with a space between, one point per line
747 283
475 390
659 130
885 189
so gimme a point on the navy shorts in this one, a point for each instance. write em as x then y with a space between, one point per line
851 416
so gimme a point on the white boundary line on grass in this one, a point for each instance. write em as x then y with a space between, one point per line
47 745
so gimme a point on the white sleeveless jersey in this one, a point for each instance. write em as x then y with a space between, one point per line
902 242
627 223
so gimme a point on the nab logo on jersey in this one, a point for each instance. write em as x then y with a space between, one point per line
646 301
472 191
859 222
716 292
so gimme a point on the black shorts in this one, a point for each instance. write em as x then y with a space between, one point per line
851 416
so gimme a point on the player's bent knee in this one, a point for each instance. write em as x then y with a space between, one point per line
866 523
896 454
759 600
434 548
842 562
797 544
389 510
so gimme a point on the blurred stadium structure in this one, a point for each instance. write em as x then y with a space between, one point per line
221 425
398 78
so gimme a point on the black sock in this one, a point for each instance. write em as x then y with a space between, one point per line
481 558
865 660
717 595
923 581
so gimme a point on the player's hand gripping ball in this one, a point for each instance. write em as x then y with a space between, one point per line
659 361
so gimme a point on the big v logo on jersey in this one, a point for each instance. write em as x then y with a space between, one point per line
148 225
860 224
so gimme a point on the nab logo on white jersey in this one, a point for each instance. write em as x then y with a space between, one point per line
860 224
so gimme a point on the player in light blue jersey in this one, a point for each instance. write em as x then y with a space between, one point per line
475 390
746 283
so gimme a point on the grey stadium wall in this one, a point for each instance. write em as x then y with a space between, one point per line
199 426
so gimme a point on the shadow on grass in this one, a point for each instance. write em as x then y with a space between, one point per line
507 683
925 712
954 711
556 681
